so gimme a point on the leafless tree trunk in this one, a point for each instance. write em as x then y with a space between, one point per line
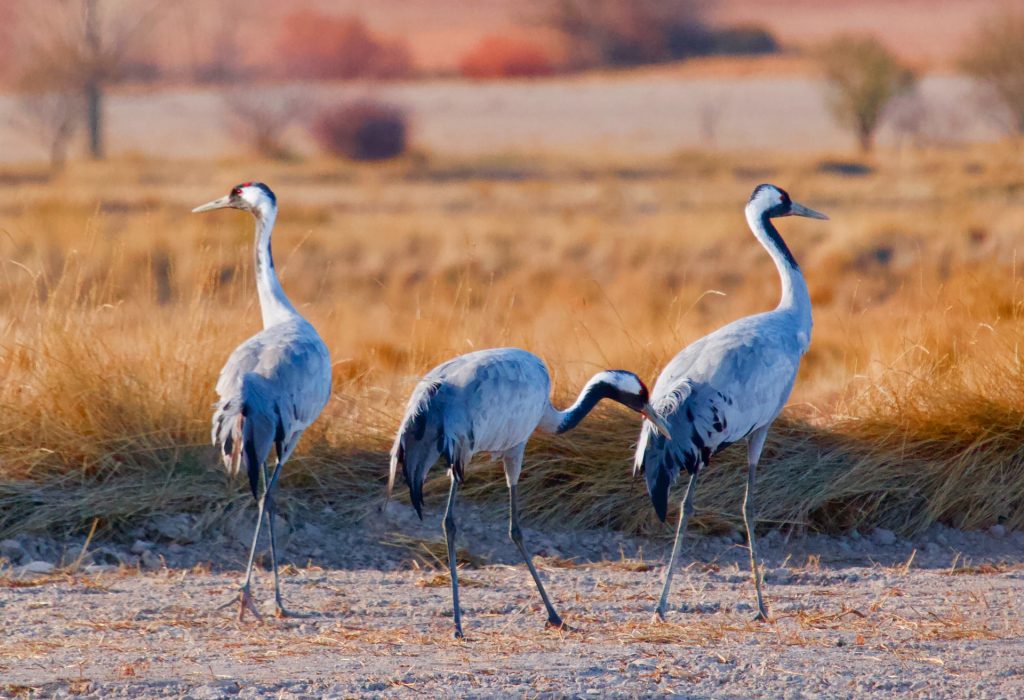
93 87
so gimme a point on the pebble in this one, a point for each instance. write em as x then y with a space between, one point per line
176 528
997 531
883 537
150 560
140 546
36 567
12 550
642 664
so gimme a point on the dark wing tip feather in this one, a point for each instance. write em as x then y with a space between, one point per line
252 467
659 493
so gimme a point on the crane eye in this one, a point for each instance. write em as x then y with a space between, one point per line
236 192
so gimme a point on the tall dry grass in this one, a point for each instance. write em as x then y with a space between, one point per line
118 309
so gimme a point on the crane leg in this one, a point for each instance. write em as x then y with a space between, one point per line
245 601
271 511
449 534
754 446
516 534
684 516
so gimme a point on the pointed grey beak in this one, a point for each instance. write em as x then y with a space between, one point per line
800 210
657 421
222 203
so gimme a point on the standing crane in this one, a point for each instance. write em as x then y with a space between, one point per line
273 386
492 401
730 385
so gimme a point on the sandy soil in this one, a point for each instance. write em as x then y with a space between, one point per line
861 615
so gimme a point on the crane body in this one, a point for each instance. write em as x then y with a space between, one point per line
492 401
729 386
273 386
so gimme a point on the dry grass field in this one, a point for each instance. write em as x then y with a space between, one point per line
118 307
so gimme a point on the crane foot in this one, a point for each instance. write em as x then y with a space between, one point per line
762 616
559 624
659 616
244 602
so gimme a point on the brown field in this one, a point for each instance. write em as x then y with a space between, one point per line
118 307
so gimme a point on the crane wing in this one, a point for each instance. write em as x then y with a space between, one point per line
714 393
272 388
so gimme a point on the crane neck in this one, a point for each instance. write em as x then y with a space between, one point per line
274 303
795 297
595 390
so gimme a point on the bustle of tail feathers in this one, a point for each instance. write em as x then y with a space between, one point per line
421 439
661 460
246 426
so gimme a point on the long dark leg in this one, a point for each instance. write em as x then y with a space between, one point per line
684 515
754 445
271 510
449 534
245 601
517 536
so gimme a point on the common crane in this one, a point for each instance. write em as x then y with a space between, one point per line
730 385
492 401
273 386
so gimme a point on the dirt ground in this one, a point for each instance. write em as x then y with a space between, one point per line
867 614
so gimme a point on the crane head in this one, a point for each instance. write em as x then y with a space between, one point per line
254 197
629 390
775 202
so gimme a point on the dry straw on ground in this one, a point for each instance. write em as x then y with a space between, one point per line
118 308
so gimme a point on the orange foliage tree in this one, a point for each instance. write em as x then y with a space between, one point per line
315 46
498 56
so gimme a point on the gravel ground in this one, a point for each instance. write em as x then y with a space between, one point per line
868 614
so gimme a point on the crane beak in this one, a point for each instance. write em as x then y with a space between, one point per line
222 203
657 421
800 210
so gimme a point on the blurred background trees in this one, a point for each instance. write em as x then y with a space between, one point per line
636 32
863 78
80 47
315 46
995 57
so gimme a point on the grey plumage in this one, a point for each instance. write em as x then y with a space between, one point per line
730 385
492 401
280 380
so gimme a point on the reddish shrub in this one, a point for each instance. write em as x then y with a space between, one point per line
499 56
314 46
364 130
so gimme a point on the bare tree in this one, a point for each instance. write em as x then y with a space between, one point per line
261 117
626 32
80 46
863 77
51 118
995 57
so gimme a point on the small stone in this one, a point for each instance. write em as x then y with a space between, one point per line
12 550
853 534
140 546
37 567
883 537
176 528
932 548
150 560
641 664
99 568
997 530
